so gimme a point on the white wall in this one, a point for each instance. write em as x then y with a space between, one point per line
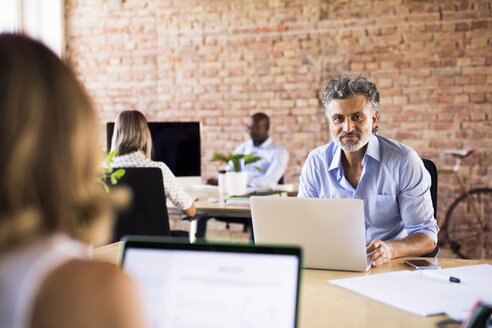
8 15
40 19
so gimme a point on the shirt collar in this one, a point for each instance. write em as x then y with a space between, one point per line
337 159
137 153
265 143
372 151
373 148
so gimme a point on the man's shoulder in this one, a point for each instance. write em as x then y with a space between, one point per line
391 147
276 146
393 151
243 146
322 152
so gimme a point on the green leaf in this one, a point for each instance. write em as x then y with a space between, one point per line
118 173
235 163
109 158
235 159
219 157
259 169
251 158
107 170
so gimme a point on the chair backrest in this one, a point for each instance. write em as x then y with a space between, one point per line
431 167
147 212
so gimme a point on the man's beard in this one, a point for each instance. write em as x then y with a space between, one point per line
349 145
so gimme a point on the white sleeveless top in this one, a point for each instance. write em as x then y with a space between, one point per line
23 271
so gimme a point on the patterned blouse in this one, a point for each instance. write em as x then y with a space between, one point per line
174 191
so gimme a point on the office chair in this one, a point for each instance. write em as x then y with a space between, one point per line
431 167
147 212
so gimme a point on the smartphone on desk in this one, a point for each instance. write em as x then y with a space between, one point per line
421 264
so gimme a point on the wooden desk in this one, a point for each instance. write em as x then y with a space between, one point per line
211 209
326 305
205 207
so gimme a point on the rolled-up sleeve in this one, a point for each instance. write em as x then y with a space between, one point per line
416 209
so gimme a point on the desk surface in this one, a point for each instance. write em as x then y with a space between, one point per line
326 305
205 207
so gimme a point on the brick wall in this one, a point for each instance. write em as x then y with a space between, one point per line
219 61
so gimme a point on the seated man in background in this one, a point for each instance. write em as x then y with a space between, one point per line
274 157
389 176
273 162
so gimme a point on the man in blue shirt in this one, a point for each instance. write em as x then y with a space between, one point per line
389 176
273 162
274 157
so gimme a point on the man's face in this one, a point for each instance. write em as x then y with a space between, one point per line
351 122
258 130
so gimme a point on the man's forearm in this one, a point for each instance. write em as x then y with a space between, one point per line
416 244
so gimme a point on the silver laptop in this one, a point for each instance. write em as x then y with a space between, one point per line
331 232
214 285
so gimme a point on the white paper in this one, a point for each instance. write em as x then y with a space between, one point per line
205 187
411 291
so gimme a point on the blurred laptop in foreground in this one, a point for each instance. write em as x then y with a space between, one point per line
211 285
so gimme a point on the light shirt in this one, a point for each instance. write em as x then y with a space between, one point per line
172 188
24 270
394 186
273 162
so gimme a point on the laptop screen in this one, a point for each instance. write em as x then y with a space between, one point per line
204 285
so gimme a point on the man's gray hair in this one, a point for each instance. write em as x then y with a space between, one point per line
351 85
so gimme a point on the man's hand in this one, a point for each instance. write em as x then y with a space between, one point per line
379 252
416 244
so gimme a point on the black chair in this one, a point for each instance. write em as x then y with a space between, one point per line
147 212
431 167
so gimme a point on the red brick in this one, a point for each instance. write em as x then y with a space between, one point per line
477 98
463 26
480 24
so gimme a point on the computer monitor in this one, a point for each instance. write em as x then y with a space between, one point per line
177 144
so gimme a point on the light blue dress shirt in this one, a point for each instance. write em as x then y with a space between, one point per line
394 185
273 162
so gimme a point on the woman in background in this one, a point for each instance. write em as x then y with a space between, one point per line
133 144
51 205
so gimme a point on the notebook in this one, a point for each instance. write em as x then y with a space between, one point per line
214 285
331 232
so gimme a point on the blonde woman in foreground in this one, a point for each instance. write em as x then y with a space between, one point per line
51 205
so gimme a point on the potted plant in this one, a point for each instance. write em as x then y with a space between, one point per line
236 180
109 174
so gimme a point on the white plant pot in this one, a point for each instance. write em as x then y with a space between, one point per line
236 183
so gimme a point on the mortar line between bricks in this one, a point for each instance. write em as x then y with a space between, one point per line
220 35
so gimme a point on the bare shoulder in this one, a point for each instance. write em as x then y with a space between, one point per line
88 294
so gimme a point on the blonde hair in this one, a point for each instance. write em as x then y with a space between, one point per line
49 158
131 133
